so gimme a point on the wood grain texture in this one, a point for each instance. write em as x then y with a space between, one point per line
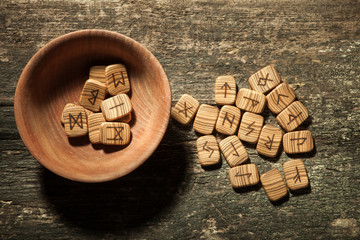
298 142
265 79
295 174
269 141
62 113
228 120
250 101
274 185
225 90
250 127
115 133
185 109
280 97
116 107
92 95
205 119
208 150
98 73
292 116
233 151
75 121
117 79
94 122
244 175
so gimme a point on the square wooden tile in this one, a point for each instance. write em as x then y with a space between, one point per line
98 73
185 109
250 127
233 150
280 97
205 119
274 185
115 133
75 121
116 107
117 79
208 150
250 101
92 95
292 116
298 142
265 79
244 175
94 122
269 141
228 120
225 90
295 174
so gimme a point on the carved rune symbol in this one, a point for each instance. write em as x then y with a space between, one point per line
185 109
117 136
244 174
236 153
280 95
121 80
270 142
249 127
226 86
300 142
297 176
226 118
94 94
253 101
292 117
76 121
263 81
116 106
207 149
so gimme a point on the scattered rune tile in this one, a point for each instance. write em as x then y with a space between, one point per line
250 101
250 127
295 174
233 150
92 95
62 113
117 79
94 122
208 150
244 175
225 90
116 107
75 121
98 73
280 97
292 116
265 79
114 133
185 109
205 119
269 141
298 142
274 185
228 120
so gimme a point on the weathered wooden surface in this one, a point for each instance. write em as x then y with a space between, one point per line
315 46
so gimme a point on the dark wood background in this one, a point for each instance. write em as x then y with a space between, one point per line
315 46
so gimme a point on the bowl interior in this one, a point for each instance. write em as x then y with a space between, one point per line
55 76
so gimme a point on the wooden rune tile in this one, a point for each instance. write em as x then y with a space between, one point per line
185 109
75 121
92 95
233 150
269 141
274 185
98 73
298 142
250 101
292 116
116 107
208 150
265 79
114 133
228 120
205 119
125 119
117 79
94 122
295 174
225 90
280 97
250 127
244 175
62 113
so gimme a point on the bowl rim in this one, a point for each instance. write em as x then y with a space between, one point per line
20 118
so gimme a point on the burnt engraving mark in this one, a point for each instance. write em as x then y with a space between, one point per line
117 136
242 175
281 95
226 118
94 94
293 118
120 80
118 105
226 86
185 109
297 176
251 129
270 142
208 149
236 153
301 140
263 81
253 101
74 121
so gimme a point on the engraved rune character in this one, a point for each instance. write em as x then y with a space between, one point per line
251 129
300 142
253 101
207 149
270 142
280 95
185 109
263 81
76 121
226 86
121 80
244 174
236 153
118 105
292 117
226 118
94 94
297 176
117 136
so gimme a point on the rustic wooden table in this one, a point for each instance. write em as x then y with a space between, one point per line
315 46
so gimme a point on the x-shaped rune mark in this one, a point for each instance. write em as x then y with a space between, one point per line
185 109
263 81
117 136
76 121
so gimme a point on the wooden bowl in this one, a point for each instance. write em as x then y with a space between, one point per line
55 76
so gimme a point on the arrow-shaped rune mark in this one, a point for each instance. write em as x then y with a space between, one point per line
251 129
292 117
263 81
244 174
207 149
300 142
253 101
226 86
185 109
236 153
270 142
297 176
280 95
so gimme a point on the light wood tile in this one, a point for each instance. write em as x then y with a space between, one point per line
185 109
62 113
280 97
250 127
250 101
265 79
205 119
116 107
117 79
98 73
125 119
94 122
115 133
295 174
92 95
233 150
75 121
269 141
225 90
244 175
274 185
228 120
208 150
298 142
292 116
